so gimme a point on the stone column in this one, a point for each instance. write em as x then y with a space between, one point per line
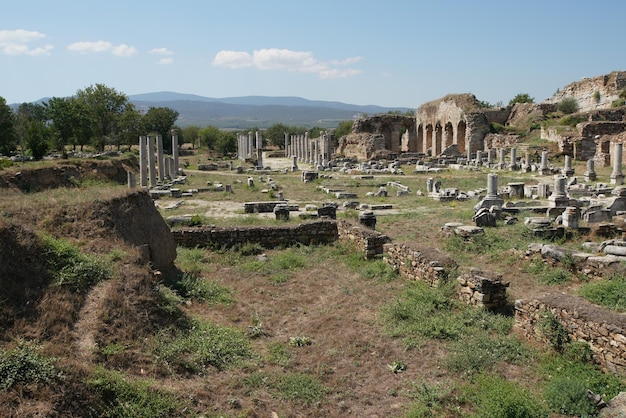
513 163
430 185
151 162
250 149
479 158
492 198
143 161
559 198
502 162
175 152
286 144
617 177
490 157
294 164
590 174
543 168
527 165
259 149
160 159
570 217
307 149
131 179
567 171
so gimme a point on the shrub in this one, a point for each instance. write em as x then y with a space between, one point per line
522 98
571 120
554 332
481 352
198 288
568 105
71 268
568 396
496 397
24 365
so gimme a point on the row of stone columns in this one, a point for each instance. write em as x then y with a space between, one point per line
168 167
302 148
250 147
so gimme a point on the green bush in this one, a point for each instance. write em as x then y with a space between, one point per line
568 396
200 289
571 120
567 105
495 397
5 163
610 293
24 365
71 268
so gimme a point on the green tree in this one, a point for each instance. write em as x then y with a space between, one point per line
191 134
160 120
275 135
30 120
344 128
522 98
8 137
210 135
105 106
130 127
568 105
226 143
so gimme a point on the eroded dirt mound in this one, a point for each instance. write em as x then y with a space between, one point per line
67 174
23 276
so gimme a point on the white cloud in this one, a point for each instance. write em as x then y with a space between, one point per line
232 59
161 51
15 42
285 60
121 50
165 61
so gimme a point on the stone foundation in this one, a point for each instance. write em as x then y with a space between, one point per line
604 331
423 265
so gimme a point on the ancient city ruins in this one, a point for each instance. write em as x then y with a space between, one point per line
453 133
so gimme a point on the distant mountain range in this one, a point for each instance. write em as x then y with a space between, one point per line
255 111
251 111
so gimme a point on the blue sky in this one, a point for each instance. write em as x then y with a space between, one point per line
388 53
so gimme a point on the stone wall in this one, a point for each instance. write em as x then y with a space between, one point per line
312 233
604 331
593 93
370 242
425 265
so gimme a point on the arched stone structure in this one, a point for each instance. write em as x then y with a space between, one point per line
456 119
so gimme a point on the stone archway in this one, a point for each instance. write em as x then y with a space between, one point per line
448 135
438 139
420 139
429 143
460 136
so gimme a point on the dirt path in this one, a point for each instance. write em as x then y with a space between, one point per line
87 325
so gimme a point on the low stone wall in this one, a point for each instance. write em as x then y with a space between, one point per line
370 241
415 264
483 289
265 207
604 331
313 233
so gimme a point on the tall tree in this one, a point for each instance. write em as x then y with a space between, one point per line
191 134
8 137
105 106
130 126
31 129
160 120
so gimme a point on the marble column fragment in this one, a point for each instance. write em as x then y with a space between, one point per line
590 174
160 159
175 153
617 177
151 162
143 161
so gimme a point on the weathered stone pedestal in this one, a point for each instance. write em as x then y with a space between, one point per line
368 219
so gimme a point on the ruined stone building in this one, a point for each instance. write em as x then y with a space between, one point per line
460 125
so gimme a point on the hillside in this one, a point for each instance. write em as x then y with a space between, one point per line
254 111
